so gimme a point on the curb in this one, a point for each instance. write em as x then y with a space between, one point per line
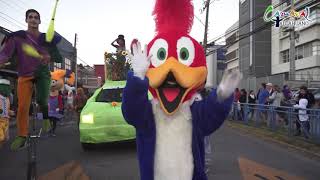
270 139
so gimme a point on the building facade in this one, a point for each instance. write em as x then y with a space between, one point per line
99 70
215 64
307 47
232 47
254 43
87 78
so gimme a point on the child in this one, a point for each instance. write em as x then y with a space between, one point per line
303 116
4 110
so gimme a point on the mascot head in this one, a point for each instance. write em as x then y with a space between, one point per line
58 80
178 65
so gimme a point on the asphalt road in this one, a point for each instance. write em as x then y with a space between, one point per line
235 157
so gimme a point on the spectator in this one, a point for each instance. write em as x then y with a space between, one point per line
304 94
69 105
243 96
269 88
262 96
251 100
242 99
303 116
286 92
252 97
237 95
276 98
236 106
80 102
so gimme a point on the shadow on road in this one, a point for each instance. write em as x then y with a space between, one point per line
122 146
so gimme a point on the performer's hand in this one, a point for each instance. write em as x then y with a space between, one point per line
140 62
229 82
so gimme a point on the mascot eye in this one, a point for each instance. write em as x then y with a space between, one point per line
159 51
185 50
184 54
161 55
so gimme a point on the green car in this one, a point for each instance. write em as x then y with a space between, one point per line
101 119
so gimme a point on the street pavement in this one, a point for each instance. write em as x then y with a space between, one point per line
235 157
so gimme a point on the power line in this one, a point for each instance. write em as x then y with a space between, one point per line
9 5
22 10
10 22
17 5
199 20
13 19
84 62
24 3
261 28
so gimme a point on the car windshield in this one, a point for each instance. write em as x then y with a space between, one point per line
110 95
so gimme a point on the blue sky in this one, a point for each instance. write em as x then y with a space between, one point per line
98 22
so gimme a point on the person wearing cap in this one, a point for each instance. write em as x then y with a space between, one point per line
269 88
5 112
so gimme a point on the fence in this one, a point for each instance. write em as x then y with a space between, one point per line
278 119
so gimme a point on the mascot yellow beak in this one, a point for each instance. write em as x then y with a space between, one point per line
172 81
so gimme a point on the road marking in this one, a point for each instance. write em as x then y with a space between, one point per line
68 171
251 170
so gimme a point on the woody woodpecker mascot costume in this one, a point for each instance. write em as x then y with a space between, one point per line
171 127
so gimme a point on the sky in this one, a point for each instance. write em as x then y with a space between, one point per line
98 22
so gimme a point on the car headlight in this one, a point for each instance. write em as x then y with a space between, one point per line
87 119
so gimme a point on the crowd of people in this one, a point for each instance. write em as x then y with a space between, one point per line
270 95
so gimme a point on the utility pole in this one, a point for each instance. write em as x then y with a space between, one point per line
75 59
292 50
207 5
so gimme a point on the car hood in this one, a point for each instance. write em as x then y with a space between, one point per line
104 113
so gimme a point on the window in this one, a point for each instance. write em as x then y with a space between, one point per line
232 55
284 56
316 48
110 95
304 51
307 50
299 52
67 63
231 40
57 66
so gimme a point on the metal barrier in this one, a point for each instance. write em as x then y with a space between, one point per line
282 119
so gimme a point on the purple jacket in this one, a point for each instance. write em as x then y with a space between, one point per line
27 65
